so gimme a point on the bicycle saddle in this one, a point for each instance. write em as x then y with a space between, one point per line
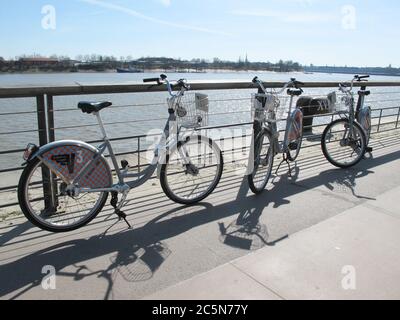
92 107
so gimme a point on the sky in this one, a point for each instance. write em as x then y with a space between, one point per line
321 32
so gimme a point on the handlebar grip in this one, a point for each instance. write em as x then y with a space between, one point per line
255 80
182 83
359 78
151 80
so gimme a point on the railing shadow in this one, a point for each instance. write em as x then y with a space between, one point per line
137 254
14 232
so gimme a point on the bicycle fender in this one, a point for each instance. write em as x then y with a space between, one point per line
52 145
68 159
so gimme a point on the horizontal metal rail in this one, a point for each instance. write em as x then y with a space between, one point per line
141 137
136 87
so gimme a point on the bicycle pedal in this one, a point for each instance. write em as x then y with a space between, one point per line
124 164
369 149
293 146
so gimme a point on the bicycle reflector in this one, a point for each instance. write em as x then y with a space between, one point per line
30 149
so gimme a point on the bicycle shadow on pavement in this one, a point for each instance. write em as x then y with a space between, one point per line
345 181
137 254
247 232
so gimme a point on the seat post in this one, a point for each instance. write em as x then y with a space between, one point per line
101 124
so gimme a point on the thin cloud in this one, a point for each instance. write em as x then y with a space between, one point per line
133 13
288 17
165 3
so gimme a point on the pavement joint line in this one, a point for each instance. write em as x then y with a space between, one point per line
381 210
257 281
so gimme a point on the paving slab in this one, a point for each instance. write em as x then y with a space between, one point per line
224 283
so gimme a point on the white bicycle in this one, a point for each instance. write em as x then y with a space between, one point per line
65 184
345 141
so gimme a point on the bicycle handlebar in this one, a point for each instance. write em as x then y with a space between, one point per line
360 78
343 86
163 79
151 80
292 82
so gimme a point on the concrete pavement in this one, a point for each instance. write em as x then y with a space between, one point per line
354 255
299 234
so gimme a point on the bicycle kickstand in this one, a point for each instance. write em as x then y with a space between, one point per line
285 159
114 203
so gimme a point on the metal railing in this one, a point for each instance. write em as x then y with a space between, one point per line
46 113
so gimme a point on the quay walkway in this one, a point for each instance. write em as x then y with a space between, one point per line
324 233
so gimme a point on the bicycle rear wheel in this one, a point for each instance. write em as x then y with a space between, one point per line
263 162
342 148
53 205
365 121
192 170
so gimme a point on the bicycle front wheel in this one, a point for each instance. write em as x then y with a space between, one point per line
192 170
343 144
263 162
295 135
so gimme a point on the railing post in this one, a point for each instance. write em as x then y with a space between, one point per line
139 162
380 119
52 138
41 116
43 140
398 117
50 118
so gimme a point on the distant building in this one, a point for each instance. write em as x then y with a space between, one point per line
69 63
37 62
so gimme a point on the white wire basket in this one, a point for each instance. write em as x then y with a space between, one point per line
343 103
192 110
265 106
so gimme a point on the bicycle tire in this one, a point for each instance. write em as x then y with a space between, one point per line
259 142
164 173
299 140
100 174
325 149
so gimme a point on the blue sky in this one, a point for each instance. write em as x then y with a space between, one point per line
308 31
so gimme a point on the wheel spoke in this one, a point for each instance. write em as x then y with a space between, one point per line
70 211
188 183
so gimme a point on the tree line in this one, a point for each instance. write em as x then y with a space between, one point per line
95 62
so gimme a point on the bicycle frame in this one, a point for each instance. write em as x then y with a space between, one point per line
350 103
171 138
271 123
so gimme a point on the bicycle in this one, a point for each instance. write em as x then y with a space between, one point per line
265 145
65 184
345 141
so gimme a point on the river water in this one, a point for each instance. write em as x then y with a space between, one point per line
142 111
